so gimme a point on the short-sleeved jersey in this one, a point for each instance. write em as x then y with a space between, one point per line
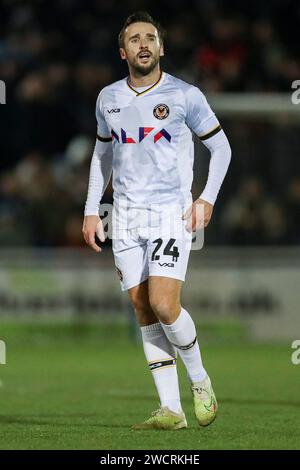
151 133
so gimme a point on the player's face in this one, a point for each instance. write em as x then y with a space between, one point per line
142 47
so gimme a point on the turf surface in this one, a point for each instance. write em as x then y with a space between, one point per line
63 389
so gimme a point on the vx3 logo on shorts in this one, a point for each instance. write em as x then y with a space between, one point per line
167 265
143 132
116 110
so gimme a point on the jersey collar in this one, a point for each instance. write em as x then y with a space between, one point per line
148 89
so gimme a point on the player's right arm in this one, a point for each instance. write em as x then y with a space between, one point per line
100 173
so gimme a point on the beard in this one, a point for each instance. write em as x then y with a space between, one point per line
144 70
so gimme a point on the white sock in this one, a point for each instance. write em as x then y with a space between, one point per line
161 357
182 334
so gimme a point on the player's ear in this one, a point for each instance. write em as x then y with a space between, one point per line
161 50
122 53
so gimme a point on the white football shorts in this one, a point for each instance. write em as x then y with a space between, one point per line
162 250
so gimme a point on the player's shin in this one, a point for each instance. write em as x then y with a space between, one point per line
182 334
161 357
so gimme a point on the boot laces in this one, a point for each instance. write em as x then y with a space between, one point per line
201 391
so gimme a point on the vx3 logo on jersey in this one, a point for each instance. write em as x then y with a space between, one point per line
143 132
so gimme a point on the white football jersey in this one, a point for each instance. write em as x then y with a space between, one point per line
151 133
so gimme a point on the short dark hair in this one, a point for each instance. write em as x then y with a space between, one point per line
141 17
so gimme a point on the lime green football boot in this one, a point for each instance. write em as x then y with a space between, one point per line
205 403
163 418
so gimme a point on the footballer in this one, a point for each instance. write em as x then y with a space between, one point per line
145 126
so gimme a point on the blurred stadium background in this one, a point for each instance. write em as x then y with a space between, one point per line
243 287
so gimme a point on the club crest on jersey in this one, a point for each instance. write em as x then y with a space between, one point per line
161 111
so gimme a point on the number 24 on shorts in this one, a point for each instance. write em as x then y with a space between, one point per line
167 249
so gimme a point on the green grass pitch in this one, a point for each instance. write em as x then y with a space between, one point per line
82 388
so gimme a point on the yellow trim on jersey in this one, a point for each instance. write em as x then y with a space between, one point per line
148 89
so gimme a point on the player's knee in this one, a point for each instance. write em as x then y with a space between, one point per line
143 311
166 310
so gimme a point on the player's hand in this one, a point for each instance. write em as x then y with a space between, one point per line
198 215
92 226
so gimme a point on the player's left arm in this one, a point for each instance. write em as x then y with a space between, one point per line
202 120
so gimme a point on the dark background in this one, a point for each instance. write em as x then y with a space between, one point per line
56 56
